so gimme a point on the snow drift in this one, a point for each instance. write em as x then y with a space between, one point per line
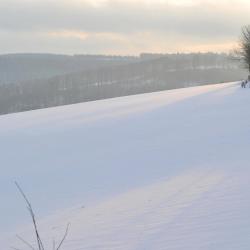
165 170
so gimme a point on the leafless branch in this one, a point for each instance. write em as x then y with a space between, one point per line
15 248
25 242
64 237
29 207
38 239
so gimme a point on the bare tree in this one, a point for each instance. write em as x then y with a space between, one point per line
39 243
242 53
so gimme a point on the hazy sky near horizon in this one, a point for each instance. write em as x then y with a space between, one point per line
120 26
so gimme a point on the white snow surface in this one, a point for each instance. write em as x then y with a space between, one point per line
165 170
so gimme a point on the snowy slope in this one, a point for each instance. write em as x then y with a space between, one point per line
166 170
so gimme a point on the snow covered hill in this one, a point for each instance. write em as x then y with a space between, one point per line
165 170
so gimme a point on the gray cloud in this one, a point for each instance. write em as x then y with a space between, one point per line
30 21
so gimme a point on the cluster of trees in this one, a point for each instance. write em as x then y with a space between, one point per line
16 68
107 77
194 60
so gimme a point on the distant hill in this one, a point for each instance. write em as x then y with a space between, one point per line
54 80
16 68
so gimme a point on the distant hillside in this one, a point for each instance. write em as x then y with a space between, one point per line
15 68
105 77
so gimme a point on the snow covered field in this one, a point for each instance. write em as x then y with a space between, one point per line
165 170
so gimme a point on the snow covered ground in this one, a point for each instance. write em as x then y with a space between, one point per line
165 170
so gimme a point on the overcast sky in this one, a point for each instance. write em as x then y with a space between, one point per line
120 26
